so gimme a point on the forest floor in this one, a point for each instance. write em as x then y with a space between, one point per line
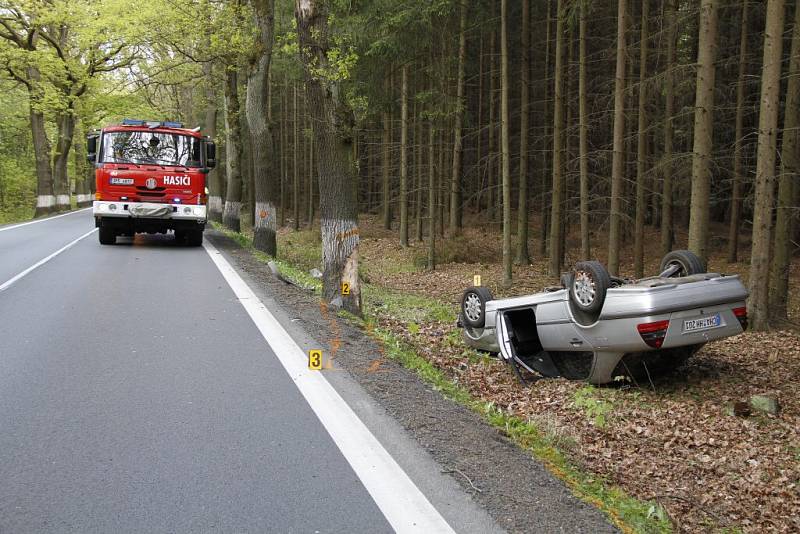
669 442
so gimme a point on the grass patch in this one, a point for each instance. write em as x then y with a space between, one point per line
628 513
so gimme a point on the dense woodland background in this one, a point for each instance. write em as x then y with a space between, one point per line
541 120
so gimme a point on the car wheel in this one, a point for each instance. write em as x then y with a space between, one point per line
473 306
687 262
588 286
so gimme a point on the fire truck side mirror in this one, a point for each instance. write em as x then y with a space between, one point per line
211 154
91 148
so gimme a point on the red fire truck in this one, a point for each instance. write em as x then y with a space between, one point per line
151 177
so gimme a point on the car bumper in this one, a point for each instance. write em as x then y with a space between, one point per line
149 210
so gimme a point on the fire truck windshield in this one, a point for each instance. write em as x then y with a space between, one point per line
147 147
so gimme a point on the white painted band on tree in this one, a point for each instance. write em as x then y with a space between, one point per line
232 209
45 201
215 204
265 216
62 200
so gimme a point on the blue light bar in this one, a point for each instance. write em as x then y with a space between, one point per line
172 124
132 122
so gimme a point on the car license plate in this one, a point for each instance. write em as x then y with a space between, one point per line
702 323
122 181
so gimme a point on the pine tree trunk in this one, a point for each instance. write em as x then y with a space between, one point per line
386 162
336 176
295 164
490 203
670 13
419 147
765 165
641 149
310 170
545 176
558 135
404 157
431 197
284 154
703 128
738 178
788 189
584 133
458 148
214 179
233 152
479 136
523 257
504 144
618 156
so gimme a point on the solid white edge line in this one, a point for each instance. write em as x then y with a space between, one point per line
45 219
41 262
402 503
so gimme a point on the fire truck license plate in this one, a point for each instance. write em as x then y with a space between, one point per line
703 323
122 181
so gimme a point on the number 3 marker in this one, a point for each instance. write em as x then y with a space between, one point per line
315 359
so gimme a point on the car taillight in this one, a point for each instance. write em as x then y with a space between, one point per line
741 314
653 333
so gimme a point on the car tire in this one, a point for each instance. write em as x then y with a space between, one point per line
687 261
473 306
107 235
587 290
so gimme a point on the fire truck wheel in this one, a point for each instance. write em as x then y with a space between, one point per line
194 238
180 236
107 235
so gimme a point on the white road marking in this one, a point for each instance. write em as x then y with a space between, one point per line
5 228
41 262
405 507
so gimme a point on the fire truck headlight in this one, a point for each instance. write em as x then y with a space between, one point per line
102 207
112 207
198 211
187 210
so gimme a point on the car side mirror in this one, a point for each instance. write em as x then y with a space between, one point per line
91 148
211 154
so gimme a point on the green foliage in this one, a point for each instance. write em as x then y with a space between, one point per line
589 399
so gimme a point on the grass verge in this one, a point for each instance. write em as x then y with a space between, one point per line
626 512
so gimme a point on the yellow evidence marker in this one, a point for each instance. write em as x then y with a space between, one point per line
476 280
345 288
315 359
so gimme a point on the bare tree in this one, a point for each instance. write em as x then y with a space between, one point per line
641 151
736 186
670 13
458 148
523 257
703 128
765 165
618 157
583 143
788 189
504 143
404 157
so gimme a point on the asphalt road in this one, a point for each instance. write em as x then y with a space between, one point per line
137 394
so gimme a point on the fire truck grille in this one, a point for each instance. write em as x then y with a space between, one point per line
152 194
144 189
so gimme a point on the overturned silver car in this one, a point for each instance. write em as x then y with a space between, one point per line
596 327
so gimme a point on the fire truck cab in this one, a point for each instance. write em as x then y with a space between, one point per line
150 178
